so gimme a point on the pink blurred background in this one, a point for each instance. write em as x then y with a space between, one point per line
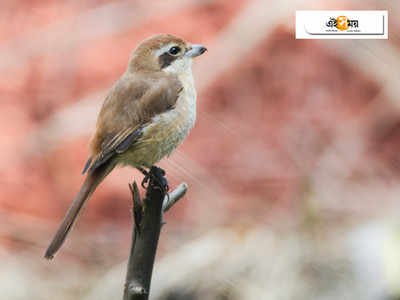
296 143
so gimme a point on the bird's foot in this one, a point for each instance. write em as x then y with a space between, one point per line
146 176
156 177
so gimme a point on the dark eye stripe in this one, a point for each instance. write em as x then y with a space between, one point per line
166 59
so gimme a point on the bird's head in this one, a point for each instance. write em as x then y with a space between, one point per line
166 53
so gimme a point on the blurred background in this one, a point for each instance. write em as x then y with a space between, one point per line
293 166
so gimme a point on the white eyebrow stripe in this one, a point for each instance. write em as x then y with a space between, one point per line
164 49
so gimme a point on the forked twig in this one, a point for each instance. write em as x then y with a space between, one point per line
148 220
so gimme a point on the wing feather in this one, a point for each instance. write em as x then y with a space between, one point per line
130 105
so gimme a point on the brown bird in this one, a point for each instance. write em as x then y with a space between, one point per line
145 116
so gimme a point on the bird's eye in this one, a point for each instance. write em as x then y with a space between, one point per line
174 50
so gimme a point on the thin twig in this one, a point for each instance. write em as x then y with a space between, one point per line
174 196
146 230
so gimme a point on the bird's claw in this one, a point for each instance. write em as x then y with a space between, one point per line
145 180
159 179
158 176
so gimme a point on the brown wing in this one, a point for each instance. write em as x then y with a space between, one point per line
131 104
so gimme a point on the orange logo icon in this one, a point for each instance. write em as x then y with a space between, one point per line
342 23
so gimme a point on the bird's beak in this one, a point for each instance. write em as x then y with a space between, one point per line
195 50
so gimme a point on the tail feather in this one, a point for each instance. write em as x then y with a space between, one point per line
91 182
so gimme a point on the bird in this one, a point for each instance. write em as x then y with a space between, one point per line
146 114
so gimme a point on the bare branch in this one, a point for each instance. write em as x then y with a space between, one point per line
146 231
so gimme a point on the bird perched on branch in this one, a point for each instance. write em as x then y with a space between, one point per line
145 116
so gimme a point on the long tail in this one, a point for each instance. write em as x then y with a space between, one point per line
91 182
